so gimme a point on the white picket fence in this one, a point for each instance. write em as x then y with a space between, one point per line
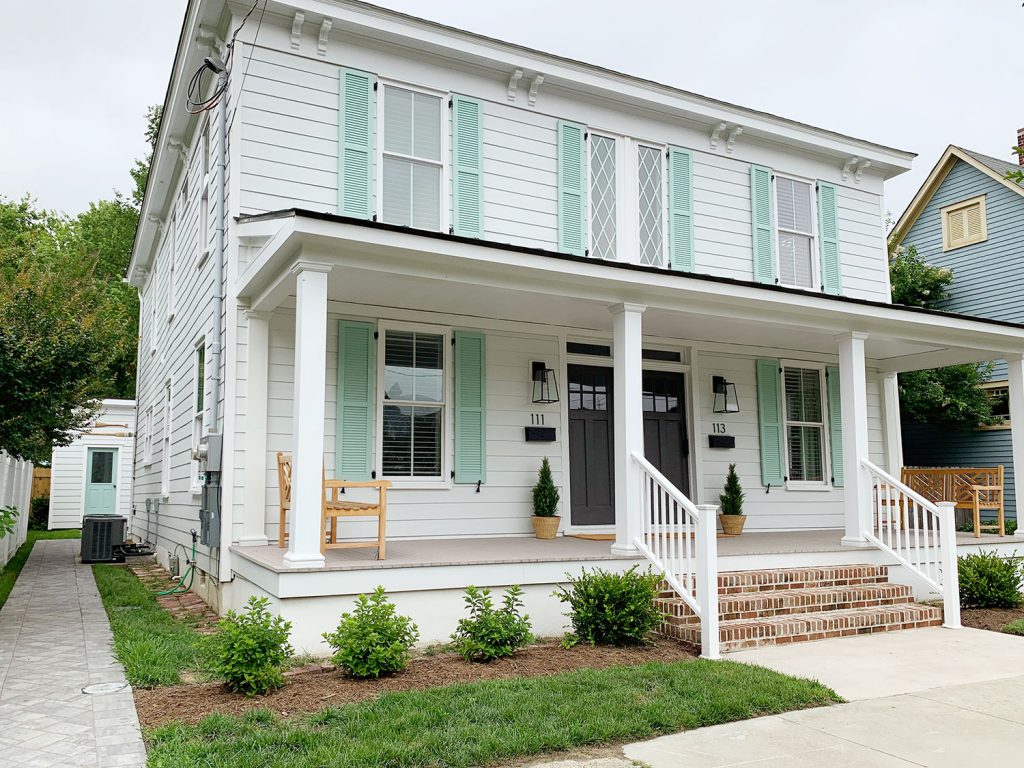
15 491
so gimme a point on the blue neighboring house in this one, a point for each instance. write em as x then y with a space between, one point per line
968 217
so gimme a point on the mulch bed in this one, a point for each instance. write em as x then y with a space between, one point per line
990 618
313 688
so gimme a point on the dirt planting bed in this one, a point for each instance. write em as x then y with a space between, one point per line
313 688
990 618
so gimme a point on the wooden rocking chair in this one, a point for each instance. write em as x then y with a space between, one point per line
333 507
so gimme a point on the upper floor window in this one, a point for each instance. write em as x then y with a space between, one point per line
651 203
602 165
411 152
797 254
964 223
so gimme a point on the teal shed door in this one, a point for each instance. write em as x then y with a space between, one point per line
101 481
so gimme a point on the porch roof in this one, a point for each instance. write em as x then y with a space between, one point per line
440 272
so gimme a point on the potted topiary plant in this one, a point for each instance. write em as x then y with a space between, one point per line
731 499
545 503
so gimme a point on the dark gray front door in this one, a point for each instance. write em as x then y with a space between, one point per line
665 442
591 469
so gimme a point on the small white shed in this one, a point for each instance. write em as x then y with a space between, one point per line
93 475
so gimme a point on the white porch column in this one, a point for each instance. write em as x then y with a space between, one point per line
893 425
1015 383
854 404
254 493
310 391
628 421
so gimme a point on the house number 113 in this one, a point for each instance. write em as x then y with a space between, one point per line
718 427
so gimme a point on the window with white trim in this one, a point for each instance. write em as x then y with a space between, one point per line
151 294
198 412
204 200
803 398
651 203
795 233
964 223
411 158
147 440
602 161
165 456
413 388
172 258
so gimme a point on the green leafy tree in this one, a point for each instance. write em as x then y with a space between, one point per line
140 172
916 283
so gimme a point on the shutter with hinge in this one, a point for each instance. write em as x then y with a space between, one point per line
356 396
467 167
572 232
680 207
470 407
828 239
835 424
355 149
763 223
769 414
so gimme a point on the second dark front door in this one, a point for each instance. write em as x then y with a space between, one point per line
665 441
591 470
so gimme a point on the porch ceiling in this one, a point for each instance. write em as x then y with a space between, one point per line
382 267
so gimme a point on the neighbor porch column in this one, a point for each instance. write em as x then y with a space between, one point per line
1015 383
310 391
628 421
893 426
854 405
254 494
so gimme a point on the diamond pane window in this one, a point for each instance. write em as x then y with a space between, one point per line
411 163
795 213
805 425
602 197
651 198
413 404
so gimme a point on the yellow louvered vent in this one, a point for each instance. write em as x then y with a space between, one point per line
963 223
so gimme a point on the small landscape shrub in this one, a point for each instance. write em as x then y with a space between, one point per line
990 581
492 633
373 640
39 514
252 647
8 519
545 492
1015 627
612 608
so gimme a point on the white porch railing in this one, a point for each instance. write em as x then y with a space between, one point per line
680 540
919 534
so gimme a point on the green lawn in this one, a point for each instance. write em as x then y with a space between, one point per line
491 721
153 646
10 571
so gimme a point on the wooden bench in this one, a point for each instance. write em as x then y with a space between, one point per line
333 507
971 488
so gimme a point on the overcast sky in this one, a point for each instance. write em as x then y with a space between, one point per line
913 74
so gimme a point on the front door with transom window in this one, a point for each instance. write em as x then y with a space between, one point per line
101 481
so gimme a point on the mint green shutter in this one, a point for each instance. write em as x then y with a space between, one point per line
835 424
467 167
356 400
355 148
680 208
470 407
572 197
828 239
769 415
763 222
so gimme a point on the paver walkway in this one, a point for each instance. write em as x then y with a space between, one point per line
55 640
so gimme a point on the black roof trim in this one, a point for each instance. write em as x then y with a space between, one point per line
336 218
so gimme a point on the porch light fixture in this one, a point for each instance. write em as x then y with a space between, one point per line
725 395
545 385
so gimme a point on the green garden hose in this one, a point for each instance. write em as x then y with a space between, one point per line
190 572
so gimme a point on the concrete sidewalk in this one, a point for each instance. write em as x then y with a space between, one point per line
54 641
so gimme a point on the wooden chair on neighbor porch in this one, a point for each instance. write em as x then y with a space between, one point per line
333 507
971 488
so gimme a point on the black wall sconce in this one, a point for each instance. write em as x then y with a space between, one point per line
545 385
725 395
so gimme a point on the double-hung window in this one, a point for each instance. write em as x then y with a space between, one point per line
412 152
165 455
795 220
147 431
413 399
602 169
651 203
804 413
198 413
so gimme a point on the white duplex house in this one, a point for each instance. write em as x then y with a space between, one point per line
396 250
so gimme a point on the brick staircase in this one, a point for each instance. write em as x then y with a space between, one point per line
792 605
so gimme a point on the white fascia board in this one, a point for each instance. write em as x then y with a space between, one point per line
391 252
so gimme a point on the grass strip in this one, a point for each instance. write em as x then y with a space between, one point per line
1015 627
491 721
153 646
10 572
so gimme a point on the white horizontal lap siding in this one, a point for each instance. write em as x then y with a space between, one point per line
780 509
67 485
723 244
503 505
863 255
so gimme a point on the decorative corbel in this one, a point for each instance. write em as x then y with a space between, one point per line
208 41
848 166
730 143
534 87
179 148
325 33
513 83
297 29
716 134
160 224
860 170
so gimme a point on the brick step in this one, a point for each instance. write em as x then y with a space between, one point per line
781 602
750 633
731 582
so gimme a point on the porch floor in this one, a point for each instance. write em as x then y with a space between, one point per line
415 553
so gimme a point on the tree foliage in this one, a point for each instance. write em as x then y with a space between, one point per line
140 172
915 282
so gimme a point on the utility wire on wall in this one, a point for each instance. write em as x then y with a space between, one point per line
196 104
